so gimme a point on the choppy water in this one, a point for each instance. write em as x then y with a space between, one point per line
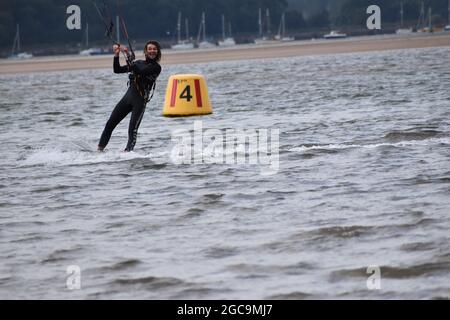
364 180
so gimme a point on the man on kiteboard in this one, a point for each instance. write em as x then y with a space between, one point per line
143 75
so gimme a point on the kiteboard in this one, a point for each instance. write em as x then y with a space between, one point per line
84 146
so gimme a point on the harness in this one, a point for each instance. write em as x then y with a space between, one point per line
145 93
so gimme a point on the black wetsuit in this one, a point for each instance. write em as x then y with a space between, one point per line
142 80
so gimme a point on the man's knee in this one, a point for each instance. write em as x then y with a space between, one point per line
111 124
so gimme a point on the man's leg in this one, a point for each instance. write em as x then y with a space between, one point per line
122 109
135 121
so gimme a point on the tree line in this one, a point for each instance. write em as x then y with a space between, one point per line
44 21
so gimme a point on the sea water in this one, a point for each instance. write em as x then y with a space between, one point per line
358 206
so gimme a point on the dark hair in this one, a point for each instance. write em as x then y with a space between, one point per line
157 45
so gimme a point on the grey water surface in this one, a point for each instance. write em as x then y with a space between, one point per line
363 180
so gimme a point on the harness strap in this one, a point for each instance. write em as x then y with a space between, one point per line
142 93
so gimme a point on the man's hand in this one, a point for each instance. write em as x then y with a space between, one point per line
116 49
130 57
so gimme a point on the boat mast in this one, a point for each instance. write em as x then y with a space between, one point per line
429 19
401 14
281 28
186 22
18 39
201 30
179 27
421 22
204 26
16 42
260 23
87 35
223 27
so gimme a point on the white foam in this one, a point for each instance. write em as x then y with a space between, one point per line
372 146
55 157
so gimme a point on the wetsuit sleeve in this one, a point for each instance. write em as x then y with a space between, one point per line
147 70
118 68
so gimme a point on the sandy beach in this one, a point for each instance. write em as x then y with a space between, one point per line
244 52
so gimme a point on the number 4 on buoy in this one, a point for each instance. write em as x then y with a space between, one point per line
187 95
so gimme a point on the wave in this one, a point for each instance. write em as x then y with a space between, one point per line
295 295
344 146
150 281
398 136
122 265
46 156
396 272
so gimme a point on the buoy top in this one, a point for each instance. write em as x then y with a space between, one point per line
187 95
188 76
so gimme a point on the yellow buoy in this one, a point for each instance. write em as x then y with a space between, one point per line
187 95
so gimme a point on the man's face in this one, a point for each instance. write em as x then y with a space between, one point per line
151 51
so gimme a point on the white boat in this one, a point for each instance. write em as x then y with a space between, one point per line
447 28
93 52
402 30
183 44
335 35
206 45
15 52
203 43
226 41
90 51
281 36
264 39
22 55
287 39
423 25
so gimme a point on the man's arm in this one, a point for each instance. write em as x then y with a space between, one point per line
118 68
116 65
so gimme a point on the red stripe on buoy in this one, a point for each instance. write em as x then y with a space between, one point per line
174 93
198 93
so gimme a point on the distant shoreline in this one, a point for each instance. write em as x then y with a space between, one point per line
245 52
